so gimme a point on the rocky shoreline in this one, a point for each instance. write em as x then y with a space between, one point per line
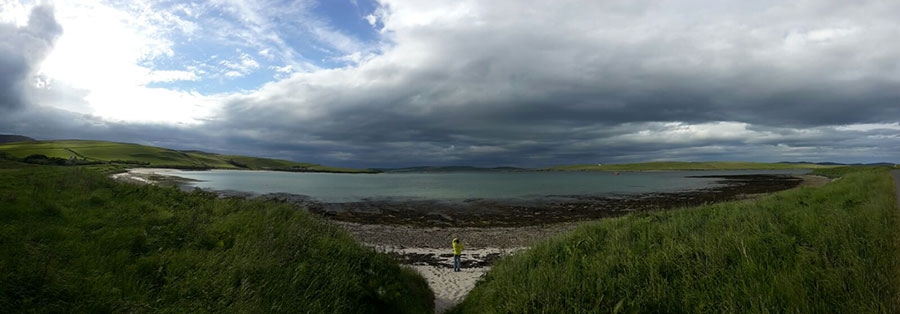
533 212
542 211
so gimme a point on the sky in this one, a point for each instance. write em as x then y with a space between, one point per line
527 83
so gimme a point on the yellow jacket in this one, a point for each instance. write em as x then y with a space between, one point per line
457 247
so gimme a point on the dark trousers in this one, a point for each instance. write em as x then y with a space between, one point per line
455 262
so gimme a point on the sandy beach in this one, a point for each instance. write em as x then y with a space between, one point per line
427 250
160 176
436 266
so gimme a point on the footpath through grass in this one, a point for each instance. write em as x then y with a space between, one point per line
74 241
832 249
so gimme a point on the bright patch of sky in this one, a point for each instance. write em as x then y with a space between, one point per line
188 51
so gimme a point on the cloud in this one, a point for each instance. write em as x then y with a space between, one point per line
21 51
534 83
372 19
551 82
108 64
172 76
245 65
288 31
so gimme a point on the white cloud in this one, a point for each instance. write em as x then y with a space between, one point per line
284 69
15 12
154 105
866 127
248 63
797 39
355 58
267 53
270 25
233 74
372 19
106 52
173 76
243 66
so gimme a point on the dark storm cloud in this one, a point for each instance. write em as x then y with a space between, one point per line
552 83
21 50
539 83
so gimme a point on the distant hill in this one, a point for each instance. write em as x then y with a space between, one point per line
150 156
679 165
11 138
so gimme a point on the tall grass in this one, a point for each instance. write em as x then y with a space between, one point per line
72 240
832 249
837 172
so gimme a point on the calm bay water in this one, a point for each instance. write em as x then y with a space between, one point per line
330 187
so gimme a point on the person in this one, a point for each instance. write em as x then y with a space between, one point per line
457 251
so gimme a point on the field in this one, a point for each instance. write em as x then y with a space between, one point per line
75 241
149 156
677 165
832 249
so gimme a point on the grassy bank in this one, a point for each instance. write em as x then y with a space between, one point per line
832 249
678 165
86 152
75 241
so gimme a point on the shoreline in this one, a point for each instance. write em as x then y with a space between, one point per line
417 233
538 211
150 176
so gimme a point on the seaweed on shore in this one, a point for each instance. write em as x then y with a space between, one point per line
548 210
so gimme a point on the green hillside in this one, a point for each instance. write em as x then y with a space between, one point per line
149 156
831 249
76 241
679 165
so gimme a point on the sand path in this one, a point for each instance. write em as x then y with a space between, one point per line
436 266
427 250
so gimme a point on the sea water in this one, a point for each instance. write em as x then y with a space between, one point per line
335 187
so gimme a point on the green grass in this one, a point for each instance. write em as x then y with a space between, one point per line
837 172
74 241
149 156
832 249
677 165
